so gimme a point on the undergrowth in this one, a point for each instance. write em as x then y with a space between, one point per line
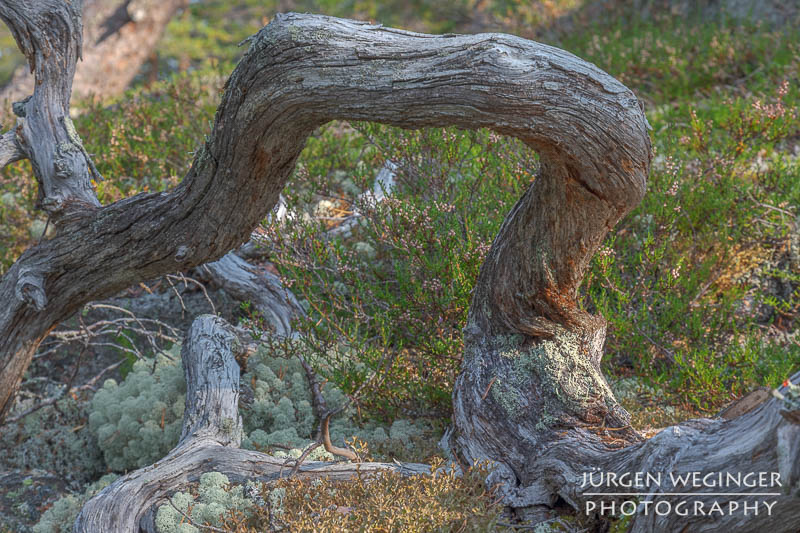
385 502
699 284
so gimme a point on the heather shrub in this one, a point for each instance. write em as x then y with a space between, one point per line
389 501
395 290
667 60
697 283
143 142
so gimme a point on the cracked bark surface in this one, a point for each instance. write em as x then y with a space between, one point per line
530 396
299 72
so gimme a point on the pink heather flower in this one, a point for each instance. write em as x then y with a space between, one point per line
605 251
673 190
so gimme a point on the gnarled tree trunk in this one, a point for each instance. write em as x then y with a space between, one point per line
299 72
531 396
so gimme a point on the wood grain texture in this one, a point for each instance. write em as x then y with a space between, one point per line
531 396
299 72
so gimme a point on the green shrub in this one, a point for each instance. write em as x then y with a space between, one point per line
392 297
389 501
142 143
675 61
446 502
281 411
692 278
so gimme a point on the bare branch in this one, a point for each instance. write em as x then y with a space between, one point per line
10 150
329 447
238 174
89 385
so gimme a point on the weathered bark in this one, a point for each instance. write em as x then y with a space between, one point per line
48 33
263 290
531 396
300 72
118 36
763 440
210 438
9 149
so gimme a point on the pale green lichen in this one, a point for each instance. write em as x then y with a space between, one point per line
66 148
282 412
564 376
54 439
321 35
790 397
216 497
138 421
276 499
60 517
509 398
213 500
229 426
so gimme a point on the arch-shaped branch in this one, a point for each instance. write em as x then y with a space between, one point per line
531 396
302 71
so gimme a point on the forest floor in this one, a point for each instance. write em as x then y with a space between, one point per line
700 284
